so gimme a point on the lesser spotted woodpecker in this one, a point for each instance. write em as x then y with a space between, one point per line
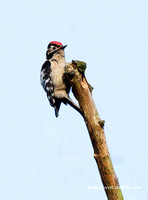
53 77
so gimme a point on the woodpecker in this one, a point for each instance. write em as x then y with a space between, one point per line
53 78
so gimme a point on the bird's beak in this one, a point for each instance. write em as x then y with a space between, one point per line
63 47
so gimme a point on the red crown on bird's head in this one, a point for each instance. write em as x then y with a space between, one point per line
56 43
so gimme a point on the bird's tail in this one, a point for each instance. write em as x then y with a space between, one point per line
72 104
54 103
57 107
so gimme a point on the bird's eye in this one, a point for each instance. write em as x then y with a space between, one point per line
53 47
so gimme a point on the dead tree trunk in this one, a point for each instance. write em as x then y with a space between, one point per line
82 91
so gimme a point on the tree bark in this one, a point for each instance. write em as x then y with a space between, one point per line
82 91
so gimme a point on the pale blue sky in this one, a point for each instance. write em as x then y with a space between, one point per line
42 157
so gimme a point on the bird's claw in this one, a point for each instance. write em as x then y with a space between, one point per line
69 69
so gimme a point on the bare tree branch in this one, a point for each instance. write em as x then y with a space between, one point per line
82 91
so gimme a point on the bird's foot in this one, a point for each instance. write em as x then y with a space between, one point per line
69 69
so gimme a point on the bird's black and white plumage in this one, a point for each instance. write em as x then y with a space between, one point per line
53 77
